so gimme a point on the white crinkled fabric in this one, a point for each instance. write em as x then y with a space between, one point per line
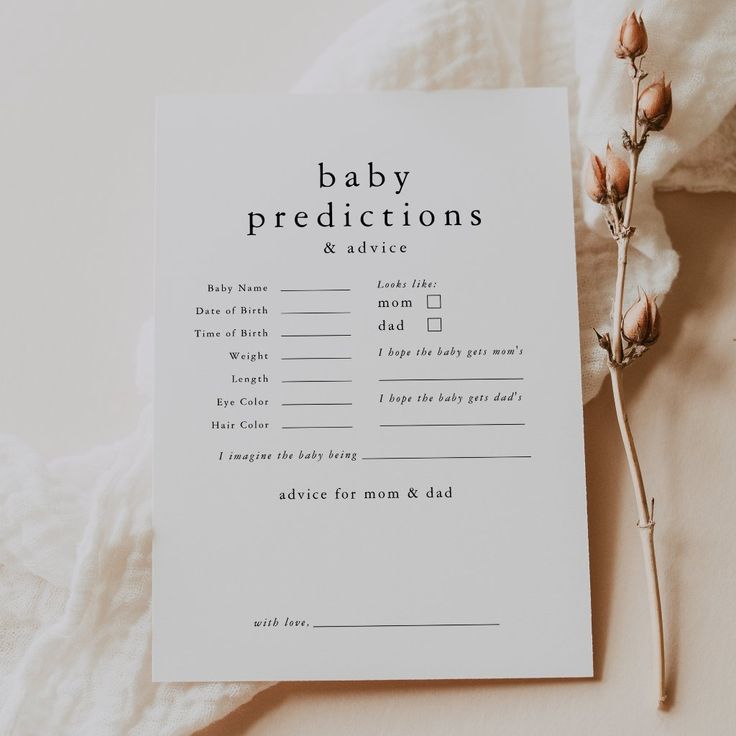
75 534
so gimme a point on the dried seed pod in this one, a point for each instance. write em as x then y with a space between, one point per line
641 321
617 176
655 104
632 38
595 179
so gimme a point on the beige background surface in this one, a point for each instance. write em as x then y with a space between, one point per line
77 82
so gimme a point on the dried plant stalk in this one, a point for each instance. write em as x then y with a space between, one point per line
613 186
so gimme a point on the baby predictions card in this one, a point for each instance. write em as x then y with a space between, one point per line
368 418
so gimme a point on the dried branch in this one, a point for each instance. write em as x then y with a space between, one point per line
613 186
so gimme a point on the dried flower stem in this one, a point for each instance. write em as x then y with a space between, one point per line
645 522
609 185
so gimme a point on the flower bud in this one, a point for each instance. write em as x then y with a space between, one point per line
632 38
604 340
655 104
617 175
641 321
595 179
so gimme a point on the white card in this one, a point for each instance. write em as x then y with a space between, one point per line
368 446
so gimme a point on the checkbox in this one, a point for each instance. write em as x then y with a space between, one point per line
434 324
434 301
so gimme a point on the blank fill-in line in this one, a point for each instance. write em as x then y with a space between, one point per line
319 380
474 424
391 380
342 334
397 626
321 426
449 457
287 291
326 312
318 403
319 358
